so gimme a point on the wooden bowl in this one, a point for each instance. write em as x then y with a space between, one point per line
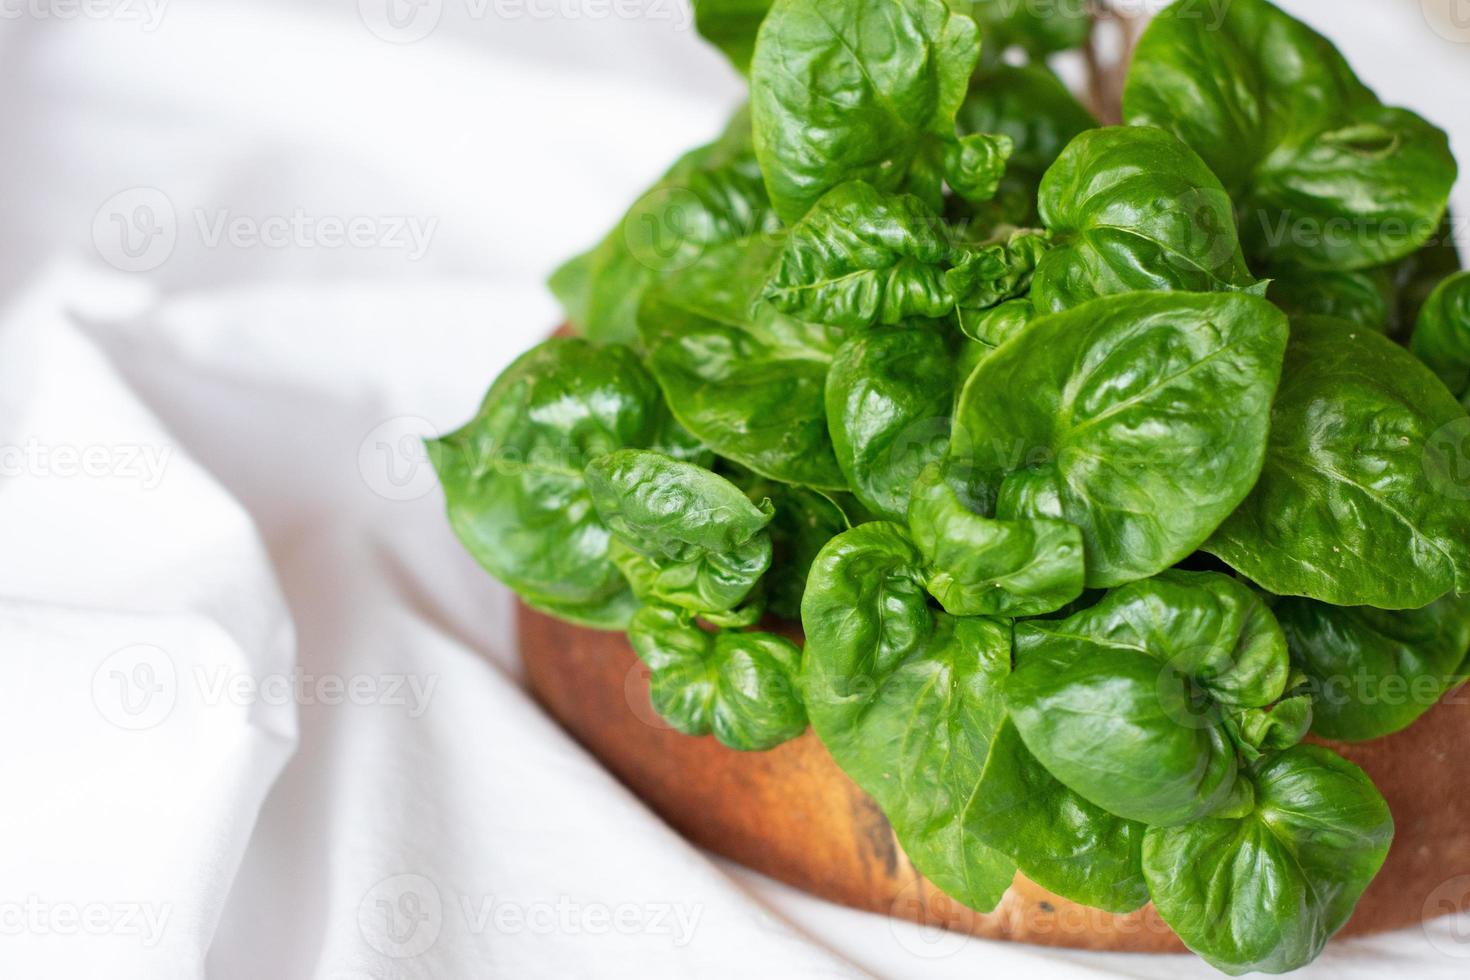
792 814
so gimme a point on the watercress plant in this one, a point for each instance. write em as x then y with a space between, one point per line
1099 464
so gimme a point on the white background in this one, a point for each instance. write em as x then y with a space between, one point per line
262 716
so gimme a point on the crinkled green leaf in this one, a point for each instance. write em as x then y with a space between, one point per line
860 257
1265 891
977 566
688 537
1353 506
861 90
741 687
513 476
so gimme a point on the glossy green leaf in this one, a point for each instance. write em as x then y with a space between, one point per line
860 257
907 700
684 536
1133 208
745 378
1266 890
513 476
731 26
860 90
1375 671
741 687
889 399
1139 418
1365 299
712 195
1124 702
1324 175
975 163
984 277
1441 335
1347 509
977 566
995 325
1057 838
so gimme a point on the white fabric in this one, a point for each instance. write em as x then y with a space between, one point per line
262 717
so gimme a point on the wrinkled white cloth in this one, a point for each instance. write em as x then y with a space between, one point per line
264 718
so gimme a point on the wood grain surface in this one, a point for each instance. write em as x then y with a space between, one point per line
792 814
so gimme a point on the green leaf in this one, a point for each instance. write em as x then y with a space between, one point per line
1441 335
1364 299
1343 511
1058 839
976 566
995 325
861 90
1031 106
975 163
1133 208
860 257
1265 891
731 26
688 537
1375 671
712 195
1139 418
889 399
1324 174
745 378
987 276
907 700
1124 702
742 687
513 476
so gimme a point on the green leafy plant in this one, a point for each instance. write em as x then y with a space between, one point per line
1100 465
